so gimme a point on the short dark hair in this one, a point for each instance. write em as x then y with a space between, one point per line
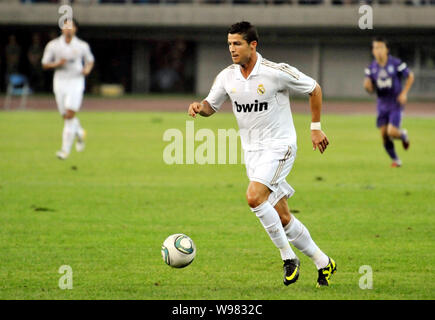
74 21
381 39
246 29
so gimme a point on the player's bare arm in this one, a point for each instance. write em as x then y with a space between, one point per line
403 96
54 65
368 85
87 68
318 137
203 108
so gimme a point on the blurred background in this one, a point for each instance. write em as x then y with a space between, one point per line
179 46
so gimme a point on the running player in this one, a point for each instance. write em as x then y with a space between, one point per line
259 92
384 75
72 60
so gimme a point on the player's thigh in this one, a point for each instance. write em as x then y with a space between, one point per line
60 101
384 131
73 99
251 158
394 122
382 118
257 193
282 193
285 165
272 166
393 131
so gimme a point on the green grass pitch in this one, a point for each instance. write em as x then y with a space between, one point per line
106 212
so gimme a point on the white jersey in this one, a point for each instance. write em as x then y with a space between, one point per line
75 53
261 102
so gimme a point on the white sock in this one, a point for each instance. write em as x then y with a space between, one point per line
68 135
299 236
271 222
78 127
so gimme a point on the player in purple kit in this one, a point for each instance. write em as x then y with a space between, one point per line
384 75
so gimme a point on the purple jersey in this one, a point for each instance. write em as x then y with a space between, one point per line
388 81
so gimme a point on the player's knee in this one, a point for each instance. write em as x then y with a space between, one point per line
391 132
69 114
254 199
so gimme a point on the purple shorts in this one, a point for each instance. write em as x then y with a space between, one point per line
386 117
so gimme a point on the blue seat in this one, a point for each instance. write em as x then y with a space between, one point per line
18 85
18 82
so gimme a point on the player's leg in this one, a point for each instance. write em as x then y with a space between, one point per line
257 198
300 237
389 144
60 101
72 101
76 102
68 134
263 169
394 130
283 211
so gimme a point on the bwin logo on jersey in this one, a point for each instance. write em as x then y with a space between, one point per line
249 107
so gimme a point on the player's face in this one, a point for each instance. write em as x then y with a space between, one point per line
69 29
379 50
240 50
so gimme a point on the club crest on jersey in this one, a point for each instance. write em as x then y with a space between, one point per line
249 107
261 89
383 73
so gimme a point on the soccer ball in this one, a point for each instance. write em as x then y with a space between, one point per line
178 250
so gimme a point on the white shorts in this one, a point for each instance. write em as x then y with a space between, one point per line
271 167
69 96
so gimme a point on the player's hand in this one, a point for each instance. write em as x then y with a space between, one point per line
61 62
86 71
402 98
194 108
319 140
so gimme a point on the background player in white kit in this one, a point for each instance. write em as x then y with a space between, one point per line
259 92
72 60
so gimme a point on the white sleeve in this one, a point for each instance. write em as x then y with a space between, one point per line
367 72
295 80
217 94
48 55
87 54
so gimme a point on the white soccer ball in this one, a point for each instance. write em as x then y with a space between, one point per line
178 250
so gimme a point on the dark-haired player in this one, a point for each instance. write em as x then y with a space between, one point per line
72 60
259 91
384 75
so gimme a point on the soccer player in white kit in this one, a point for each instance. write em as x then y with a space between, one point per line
72 60
259 92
